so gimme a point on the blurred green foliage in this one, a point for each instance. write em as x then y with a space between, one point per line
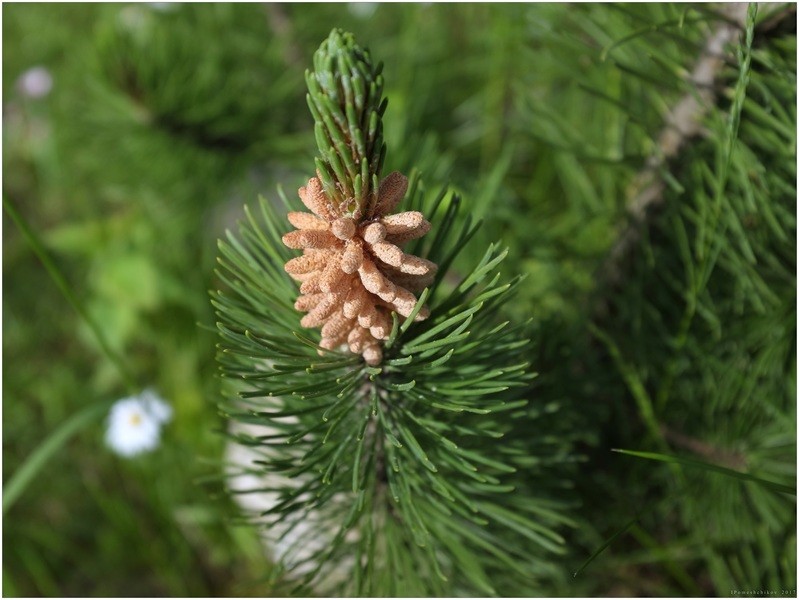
164 119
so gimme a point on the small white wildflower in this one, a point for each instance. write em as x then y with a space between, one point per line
156 406
134 424
36 82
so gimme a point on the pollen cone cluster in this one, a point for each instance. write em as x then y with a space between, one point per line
353 273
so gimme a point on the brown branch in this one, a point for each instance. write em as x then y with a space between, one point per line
726 458
683 122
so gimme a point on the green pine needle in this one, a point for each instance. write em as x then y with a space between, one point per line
692 462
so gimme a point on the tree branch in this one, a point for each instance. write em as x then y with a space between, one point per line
719 456
683 122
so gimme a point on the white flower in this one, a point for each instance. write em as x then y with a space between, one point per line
156 406
36 82
134 424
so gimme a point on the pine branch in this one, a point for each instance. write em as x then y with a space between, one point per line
708 287
389 474
683 122
414 424
726 458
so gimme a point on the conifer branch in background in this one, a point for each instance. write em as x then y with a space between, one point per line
683 122
709 281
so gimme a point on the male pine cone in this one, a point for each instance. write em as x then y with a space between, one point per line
354 274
